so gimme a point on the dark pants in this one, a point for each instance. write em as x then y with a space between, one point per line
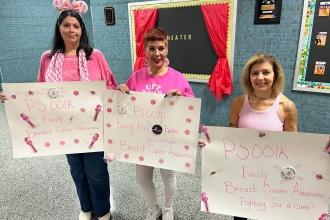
91 177
239 218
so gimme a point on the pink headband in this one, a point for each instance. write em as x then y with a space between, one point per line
79 6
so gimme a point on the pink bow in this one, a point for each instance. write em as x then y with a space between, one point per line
78 6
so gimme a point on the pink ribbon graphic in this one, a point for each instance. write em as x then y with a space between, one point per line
26 118
205 199
29 142
97 111
94 139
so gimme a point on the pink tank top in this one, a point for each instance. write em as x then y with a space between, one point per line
268 120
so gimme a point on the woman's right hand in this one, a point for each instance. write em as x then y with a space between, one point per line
123 88
3 97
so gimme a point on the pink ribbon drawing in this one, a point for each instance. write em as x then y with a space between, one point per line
94 139
97 111
26 118
206 133
29 142
327 147
205 199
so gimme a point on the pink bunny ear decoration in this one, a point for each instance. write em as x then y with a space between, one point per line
79 6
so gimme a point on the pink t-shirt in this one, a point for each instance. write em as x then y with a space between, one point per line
98 68
141 81
268 120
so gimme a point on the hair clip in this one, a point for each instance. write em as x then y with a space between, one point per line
62 5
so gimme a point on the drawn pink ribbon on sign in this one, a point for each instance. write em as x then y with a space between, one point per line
327 147
324 216
97 111
94 139
205 199
29 142
206 133
26 118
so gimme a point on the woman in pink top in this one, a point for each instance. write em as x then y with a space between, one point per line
263 106
158 77
73 59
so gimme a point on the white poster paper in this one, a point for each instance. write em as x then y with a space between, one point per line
55 118
266 175
152 130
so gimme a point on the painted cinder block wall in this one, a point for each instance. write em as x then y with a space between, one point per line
25 35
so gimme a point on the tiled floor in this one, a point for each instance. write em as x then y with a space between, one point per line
42 188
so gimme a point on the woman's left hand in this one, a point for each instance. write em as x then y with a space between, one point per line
173 92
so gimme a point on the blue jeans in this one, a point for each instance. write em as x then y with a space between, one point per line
91 177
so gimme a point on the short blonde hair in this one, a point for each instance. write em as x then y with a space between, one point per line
258 58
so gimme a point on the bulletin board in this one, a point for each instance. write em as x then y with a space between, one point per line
312 71
190 49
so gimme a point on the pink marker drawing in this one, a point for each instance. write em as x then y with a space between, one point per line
205 199
206 133
97 111
94 139
324 216
327 147
29 142
26 118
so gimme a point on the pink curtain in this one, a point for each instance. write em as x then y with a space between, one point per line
216 21
144 20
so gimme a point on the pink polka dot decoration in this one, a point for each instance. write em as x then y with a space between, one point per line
82 110
30 92
13 96
76 140
187 164
110 100
190 107
108 125
161 161
110 141
171 103
126 156
186 132
141 158
186 147
188 120
62 143
133 98
152 102
75 92
93 92
47 144
109 110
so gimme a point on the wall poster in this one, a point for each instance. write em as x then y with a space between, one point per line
312 71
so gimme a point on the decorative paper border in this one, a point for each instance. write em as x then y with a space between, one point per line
299 82
194 77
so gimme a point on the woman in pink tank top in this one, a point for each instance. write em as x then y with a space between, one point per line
263 106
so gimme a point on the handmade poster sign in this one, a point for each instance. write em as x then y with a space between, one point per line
152 130
55 118
265 175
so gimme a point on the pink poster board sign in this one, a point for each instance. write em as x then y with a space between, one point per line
266 175
55 118
152 130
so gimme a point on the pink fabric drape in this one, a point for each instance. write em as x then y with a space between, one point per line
216 21
144 20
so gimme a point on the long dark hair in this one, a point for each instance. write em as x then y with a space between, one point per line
58 43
